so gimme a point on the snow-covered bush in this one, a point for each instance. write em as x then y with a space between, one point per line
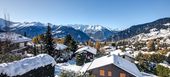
80 59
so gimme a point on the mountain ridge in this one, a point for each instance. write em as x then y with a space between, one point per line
33 29
141 28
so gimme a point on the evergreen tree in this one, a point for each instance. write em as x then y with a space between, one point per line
73 46
71 43
49 47
80 59
113 44
67 40
35 50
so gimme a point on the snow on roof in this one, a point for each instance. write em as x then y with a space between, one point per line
22 66
13 37
128 53
128 49
60 47
105 47
145 52
87 49
108 48
113 59
117 52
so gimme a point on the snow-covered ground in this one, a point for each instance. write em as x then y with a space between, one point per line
68 66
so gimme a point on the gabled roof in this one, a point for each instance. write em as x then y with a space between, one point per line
60 47
108 48
105 47
87 49
113 59
117 52
13 37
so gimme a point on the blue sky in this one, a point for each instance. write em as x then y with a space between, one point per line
116 14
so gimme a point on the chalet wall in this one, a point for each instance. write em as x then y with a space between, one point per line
46 71
114 69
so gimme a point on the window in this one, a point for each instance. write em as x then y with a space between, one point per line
122 74
109 73
101 72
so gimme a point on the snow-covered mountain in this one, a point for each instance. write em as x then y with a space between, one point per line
155 29
96 32
62 31
163 35
33 29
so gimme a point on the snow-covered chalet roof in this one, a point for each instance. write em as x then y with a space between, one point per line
117 52
13 37
22 66
60 47
113 59
106 47
109 48
87 49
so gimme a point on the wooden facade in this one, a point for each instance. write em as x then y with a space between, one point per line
110 71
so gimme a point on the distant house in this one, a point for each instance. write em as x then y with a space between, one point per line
128 55
17 41
107 49
61 53
88 51
14 38
111 66
60 47
41 65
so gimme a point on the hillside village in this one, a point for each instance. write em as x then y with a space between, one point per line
48 56
84 38
138 56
